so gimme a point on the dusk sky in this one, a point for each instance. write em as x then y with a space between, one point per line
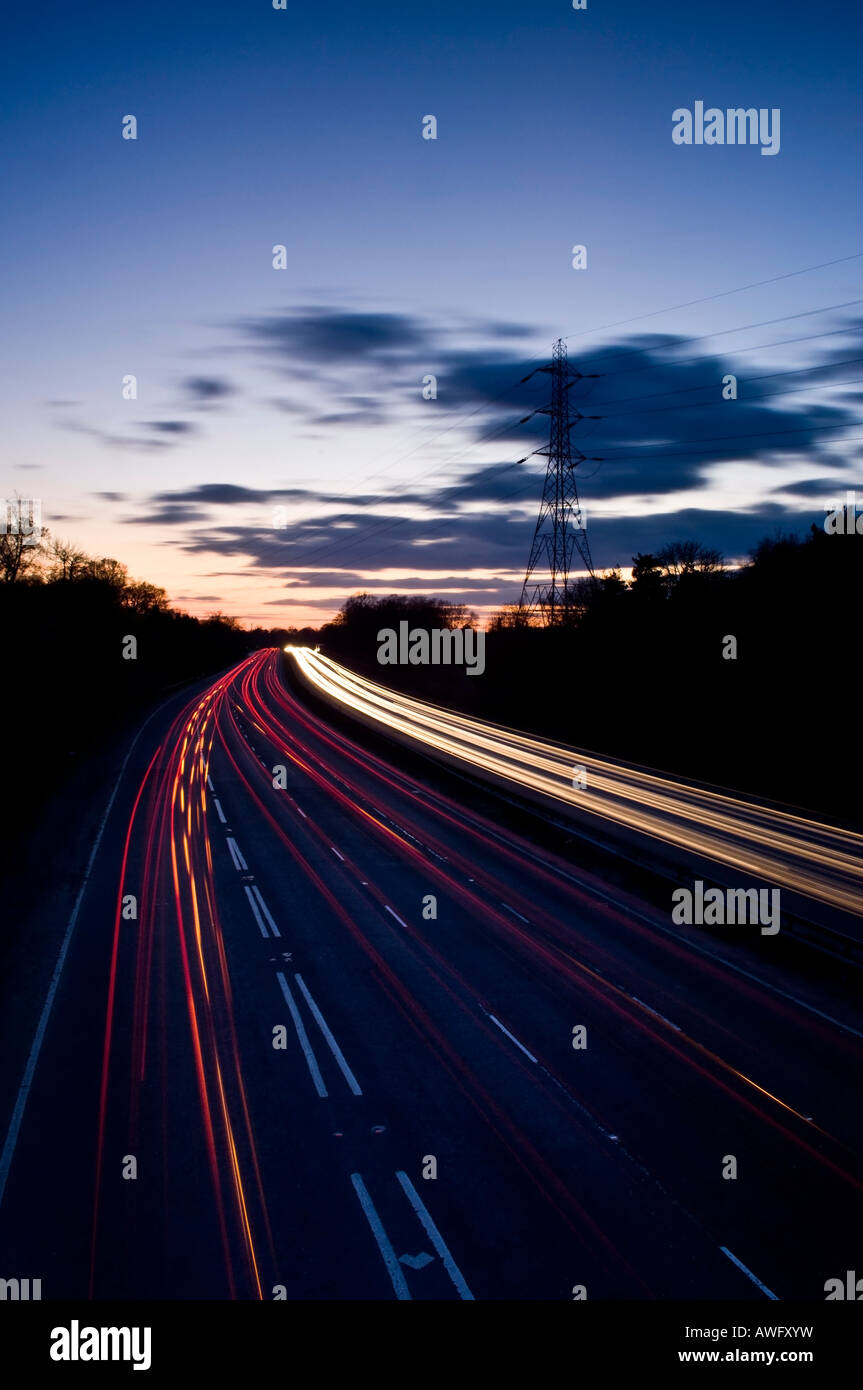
279 455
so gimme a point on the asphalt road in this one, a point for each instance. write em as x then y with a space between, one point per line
331 1087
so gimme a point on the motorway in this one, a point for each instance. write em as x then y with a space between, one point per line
818 861
358 1041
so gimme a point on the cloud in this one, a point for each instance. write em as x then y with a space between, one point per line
205 390
665 446
168 426
118 441
229 494
330 336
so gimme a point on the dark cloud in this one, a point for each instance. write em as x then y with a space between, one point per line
174 515
118 441
168 426
227 494
330 336
207 389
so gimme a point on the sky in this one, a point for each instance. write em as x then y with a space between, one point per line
279 454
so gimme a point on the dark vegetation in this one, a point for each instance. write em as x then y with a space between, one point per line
67 690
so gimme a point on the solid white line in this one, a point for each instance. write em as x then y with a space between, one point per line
254 906
394 1269
397 917
434 1236
333 1045
303 1037
748 1273
219 812
336 853
38 1037
510 1036
266 911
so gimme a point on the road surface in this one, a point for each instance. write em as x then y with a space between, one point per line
324 1032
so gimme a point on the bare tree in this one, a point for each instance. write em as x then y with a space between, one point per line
21 550
688 557
66 561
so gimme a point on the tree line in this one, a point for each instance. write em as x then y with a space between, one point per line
66 687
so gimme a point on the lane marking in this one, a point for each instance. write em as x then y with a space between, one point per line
301 811
510 1036
655 925
234 849
303 1037
219 812
210 783
417 1261
655 1012
266 911
513 911
748 1273
336 853
333 1045
398 918
388 1255
435 1237
254 906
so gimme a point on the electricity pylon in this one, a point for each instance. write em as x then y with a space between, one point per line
560 526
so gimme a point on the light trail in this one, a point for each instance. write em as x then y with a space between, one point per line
819 861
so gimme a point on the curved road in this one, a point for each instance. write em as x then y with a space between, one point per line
325 1033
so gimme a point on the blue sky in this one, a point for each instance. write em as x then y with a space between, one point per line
279 454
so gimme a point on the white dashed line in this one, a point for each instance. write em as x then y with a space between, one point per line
498 1024
219 812
655 1013
748 1273
514 913
398 918
336 853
